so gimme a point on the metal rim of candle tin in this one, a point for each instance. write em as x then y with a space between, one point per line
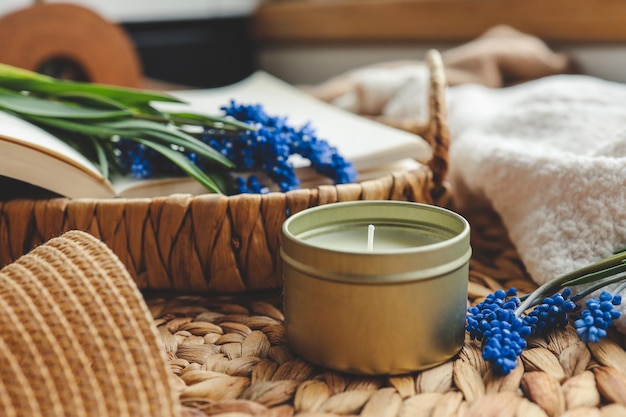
390 312
452 251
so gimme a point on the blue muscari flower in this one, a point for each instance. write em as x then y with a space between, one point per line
503 333
324 158
248 113
136 158
553 312
267 148
480 316
500 326
274 141
142 162
505 340
598 316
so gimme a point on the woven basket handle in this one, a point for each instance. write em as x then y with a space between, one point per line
437 132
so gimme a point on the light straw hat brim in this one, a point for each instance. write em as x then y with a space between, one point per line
76 338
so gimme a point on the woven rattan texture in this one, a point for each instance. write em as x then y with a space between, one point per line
77 338
186 243
211 242
231 359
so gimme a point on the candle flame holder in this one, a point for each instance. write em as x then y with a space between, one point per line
397 308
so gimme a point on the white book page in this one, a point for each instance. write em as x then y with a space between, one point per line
365 143
21 132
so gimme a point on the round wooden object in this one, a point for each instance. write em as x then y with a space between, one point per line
43 33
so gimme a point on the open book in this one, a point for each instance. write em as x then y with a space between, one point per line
34 156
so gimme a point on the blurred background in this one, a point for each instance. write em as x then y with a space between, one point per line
207 43
200 43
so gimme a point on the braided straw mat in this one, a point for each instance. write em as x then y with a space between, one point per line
231 359
78 339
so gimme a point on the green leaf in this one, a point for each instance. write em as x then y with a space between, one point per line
127 96
133 129
594 276
103 162
164 134
602 265
33 106
595 272
71 126
183 163
89 116
208 121
9 71
146 110
142 128
93 101
601 284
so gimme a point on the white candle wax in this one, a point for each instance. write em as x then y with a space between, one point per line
370 237
355 238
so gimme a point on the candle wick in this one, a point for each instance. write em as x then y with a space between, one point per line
370 237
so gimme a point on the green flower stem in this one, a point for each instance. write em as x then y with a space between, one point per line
102 157
205 122
593 273
619 288
602 284
540 293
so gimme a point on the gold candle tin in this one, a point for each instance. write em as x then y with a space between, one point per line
382 310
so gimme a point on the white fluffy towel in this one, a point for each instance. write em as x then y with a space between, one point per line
550 156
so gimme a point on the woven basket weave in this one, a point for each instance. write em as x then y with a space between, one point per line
213 242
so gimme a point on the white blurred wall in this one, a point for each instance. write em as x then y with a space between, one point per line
313 64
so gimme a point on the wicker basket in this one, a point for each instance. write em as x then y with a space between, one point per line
213 242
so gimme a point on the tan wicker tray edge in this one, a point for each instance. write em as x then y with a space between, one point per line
213 242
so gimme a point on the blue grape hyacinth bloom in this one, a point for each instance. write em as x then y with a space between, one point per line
270 145
552 312
266 147
503 334
480 316
505 340
503 321
598 316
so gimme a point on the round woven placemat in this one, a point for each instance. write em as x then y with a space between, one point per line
230 358
78 339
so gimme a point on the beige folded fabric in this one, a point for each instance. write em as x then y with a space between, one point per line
500 57
76 338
